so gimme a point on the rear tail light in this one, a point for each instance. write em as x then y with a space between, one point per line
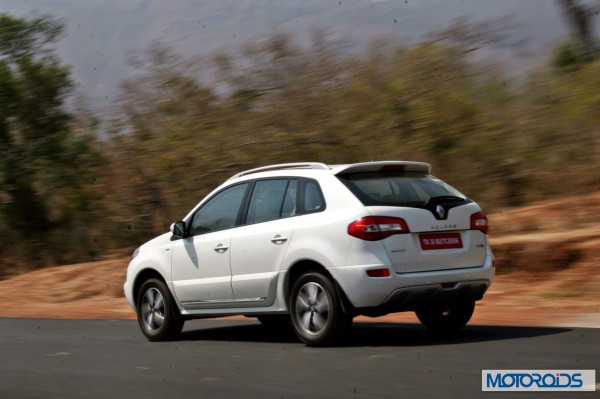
374 228
479 222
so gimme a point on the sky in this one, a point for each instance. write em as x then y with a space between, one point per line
102 35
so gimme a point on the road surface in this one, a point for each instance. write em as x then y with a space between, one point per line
243 359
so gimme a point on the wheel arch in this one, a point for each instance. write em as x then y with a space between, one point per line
141 278
307 265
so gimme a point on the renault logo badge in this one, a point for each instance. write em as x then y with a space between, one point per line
441 212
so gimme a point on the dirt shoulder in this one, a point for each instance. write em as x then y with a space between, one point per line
547 260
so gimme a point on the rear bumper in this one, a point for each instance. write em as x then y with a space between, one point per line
433 295
408 291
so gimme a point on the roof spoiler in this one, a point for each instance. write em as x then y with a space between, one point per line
384 166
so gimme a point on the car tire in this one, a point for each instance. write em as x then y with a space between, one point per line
445 320
275 321
316 312
157 313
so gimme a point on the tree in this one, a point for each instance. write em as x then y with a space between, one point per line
41 166
580 19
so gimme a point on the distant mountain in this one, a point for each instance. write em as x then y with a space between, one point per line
102 34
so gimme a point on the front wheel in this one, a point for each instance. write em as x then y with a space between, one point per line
444 320
315 309
157 312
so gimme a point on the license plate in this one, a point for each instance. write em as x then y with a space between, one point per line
440 241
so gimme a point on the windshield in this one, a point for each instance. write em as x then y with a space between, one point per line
399 188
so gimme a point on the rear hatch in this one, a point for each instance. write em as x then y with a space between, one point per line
431 226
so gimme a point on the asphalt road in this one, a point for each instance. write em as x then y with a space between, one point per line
243 359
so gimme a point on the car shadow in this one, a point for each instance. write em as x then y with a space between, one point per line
368 334
404 334
238 331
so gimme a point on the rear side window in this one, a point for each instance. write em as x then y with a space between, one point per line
279 198
272 199
288 208
312 197
398 188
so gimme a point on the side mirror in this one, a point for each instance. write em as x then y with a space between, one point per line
178 229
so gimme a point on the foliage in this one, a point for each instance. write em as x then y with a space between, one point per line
41 160
568 55
276 101
184 125
579 16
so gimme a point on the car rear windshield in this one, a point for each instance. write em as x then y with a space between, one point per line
399 188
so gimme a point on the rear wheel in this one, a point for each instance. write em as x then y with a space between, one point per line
454 317
157 312
315 309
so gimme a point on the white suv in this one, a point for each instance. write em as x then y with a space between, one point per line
315 245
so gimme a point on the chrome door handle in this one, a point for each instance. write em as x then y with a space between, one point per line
221 248
278 239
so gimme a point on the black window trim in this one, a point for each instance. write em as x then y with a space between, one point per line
245 204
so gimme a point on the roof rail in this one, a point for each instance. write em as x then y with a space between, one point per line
298 165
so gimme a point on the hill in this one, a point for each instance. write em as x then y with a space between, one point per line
548 258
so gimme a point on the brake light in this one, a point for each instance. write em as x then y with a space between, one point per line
480 222
374 228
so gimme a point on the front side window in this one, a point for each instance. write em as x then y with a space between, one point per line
220 212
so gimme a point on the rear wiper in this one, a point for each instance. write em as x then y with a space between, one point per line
443 198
